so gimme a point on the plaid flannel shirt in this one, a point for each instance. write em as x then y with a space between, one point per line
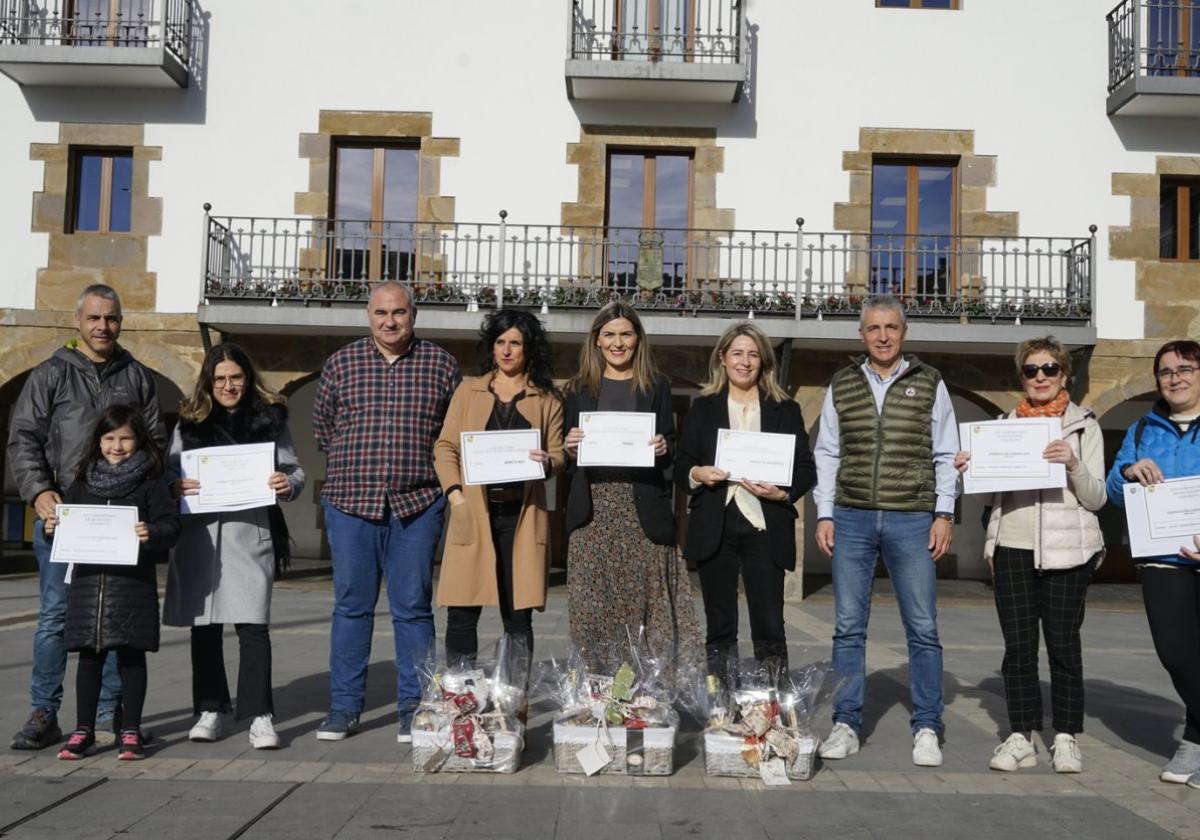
376 423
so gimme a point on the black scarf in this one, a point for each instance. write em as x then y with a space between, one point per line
117 481
245 424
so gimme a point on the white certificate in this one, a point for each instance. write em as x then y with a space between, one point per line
231 477
1162 518
1006 455
95 534
758 456
500 457
616 439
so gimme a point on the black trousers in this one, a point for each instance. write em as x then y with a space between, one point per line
131 665
1053 599
746 549
462 623
210 688
1172 598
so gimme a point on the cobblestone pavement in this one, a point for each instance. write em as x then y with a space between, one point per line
365 786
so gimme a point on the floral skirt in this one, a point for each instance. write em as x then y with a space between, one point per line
620 584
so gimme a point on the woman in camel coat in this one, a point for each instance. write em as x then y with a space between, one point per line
497 542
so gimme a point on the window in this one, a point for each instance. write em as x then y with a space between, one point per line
101 191
373 216
1179 220
113 23
916 4
648 214
655 29
1173 37
914 220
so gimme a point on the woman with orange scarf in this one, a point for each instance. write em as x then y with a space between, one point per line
1043 546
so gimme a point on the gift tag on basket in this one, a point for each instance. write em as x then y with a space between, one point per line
593 758
773 772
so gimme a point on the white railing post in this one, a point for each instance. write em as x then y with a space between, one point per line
502 268
204 255
798 296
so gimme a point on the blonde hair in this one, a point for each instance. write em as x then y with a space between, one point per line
1050 345
591 360
768 380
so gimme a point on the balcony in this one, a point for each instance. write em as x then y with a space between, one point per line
1154 59
290 275
657 50
98 43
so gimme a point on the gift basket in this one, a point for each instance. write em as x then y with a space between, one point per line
619 723
471 719
760 722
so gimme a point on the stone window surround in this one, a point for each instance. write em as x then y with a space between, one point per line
1168 288
417 126
590 154
975 173
76 260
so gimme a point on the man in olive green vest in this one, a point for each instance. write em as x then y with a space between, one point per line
886 486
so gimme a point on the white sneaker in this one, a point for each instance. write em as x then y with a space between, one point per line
926 752
842 742
207 728
262 734
1064 754
1016 751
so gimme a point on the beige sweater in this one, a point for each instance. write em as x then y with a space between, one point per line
1059 525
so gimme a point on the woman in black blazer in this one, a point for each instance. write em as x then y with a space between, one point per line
743 524
623 572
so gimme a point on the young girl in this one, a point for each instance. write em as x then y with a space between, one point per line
116 607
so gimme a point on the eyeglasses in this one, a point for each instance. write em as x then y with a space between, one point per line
1051 369
235 381
1183 372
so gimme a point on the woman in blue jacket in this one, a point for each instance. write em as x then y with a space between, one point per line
1166 444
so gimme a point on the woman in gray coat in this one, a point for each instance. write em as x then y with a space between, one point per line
224 564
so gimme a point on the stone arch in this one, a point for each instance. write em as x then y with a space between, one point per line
164 360
983 403
27 351
294 385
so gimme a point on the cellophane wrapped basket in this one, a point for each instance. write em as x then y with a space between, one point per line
471 719
760 722
620 723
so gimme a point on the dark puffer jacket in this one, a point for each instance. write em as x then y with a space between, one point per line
117 606
52 421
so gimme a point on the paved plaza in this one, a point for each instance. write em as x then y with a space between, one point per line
365 786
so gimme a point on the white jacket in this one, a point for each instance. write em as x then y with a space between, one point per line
1067 529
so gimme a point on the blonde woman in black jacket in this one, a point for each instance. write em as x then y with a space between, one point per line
745 527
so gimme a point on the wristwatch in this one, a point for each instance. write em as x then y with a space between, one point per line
949 517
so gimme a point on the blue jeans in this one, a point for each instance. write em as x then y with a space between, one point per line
49 644
366 551
902 538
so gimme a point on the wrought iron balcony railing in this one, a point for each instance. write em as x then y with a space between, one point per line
788 273
702 31
99 23
1153 39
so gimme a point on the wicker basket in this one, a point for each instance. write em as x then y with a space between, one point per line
654 757
427 743
723 757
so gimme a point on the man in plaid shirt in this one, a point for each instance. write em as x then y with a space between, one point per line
378 410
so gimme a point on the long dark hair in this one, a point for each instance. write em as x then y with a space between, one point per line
111 419
539 356
255 396
591 360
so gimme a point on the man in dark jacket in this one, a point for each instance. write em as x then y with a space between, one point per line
49 432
